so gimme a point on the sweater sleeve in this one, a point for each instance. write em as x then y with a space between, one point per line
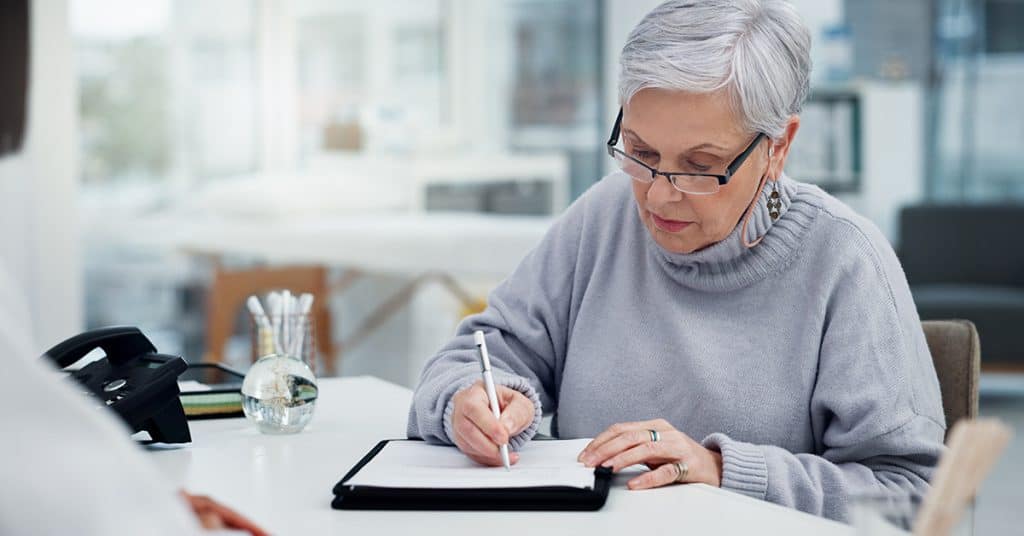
876 409
526 326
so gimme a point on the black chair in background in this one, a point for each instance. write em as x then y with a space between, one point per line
967 261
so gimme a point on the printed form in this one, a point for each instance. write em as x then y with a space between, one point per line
416 464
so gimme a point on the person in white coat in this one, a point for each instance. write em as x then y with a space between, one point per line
68 468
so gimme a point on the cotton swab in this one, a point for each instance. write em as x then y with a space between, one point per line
265 335
274 301
257 312
287 304
304 306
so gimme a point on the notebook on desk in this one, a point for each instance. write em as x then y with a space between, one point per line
414 475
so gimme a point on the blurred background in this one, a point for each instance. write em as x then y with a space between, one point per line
398 158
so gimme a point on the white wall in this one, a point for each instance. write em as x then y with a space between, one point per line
38 187
892 148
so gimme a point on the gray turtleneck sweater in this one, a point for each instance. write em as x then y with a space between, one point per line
801 360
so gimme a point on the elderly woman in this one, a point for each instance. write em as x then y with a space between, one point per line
700 312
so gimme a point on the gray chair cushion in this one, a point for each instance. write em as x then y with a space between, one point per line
997 313
974 244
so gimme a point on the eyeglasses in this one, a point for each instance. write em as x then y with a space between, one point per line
690 183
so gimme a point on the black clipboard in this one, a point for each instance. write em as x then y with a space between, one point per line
558 498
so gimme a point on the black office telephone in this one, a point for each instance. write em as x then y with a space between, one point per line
135 381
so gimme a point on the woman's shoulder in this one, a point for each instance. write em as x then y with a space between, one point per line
845 235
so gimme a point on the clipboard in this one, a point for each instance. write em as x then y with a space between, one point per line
541 498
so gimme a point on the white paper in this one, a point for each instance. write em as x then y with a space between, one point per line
415 464
192 386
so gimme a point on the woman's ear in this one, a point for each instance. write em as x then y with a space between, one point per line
781 147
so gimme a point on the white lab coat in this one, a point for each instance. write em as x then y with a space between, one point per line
67 466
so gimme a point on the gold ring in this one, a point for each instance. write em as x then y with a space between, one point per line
681 471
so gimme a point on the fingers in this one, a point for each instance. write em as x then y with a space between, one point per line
620 428
479 413
478 433
475 444
648 452
517 411
618 444
200 505
210 521
234 520
213 515
662 476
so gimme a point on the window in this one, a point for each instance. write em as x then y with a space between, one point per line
976 145
556 93
369 77
166 89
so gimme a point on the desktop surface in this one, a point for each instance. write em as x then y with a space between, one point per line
284 482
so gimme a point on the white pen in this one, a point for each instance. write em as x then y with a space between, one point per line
492 395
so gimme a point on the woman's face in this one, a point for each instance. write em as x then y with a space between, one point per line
686 132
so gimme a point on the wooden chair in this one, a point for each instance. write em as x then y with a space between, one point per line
956 352
231 288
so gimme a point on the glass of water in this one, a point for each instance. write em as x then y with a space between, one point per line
279 392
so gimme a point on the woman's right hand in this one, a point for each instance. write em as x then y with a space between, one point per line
478 433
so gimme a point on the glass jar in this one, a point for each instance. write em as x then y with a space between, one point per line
279 392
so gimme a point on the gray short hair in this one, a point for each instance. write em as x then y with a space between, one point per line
757 50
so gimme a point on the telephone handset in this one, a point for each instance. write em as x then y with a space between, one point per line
134 380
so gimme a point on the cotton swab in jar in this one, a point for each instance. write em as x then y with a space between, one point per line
287 311
274 301
305 305
257 312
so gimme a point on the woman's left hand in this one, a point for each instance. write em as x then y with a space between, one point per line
629 443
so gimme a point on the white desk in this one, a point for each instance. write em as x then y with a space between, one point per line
284 482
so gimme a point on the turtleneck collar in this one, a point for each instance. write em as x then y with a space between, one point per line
728 264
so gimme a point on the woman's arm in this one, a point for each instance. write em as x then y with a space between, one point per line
526 324
876 409
876 412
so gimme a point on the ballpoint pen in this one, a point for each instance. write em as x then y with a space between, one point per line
492 396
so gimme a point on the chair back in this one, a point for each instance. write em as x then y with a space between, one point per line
956 352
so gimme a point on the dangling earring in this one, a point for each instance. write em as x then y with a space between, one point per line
774 203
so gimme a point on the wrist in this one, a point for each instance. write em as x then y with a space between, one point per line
718 467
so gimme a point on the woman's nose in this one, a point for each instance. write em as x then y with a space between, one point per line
662 191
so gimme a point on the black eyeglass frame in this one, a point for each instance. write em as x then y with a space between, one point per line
730 170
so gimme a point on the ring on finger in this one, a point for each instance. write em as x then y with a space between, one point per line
655 436
682 470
